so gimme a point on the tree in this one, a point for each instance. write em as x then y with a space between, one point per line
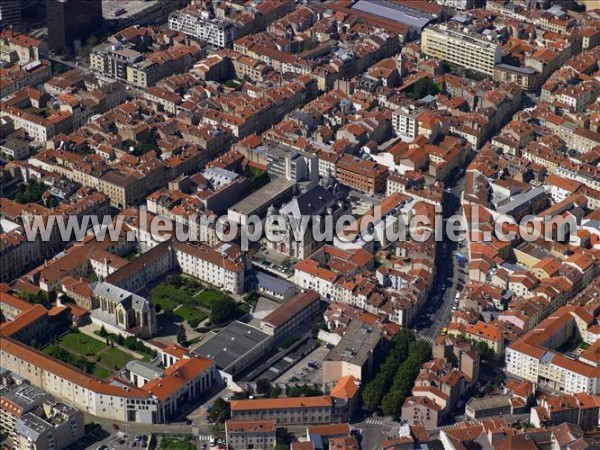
303 391
120 339
380 385
103 332
222 309
31 192
218 430
392 403
263 386
372 395
484 350
218 409
251 297
423 88
181 336
174 280
276 391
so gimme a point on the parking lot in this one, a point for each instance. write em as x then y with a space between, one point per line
122 441
309 369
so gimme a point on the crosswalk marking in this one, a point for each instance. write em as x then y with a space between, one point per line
429 339
205 437
372 421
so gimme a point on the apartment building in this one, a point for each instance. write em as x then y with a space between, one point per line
293 166
581 409
362 175
123 62
221 266
16 400
355 354
526 77
16 77
25 48
405 123
200 25
533 357
39 128
467 50
285 411
293 315
54 426
578 97
242 435
327 269
487 333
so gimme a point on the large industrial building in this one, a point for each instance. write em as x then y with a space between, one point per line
235 347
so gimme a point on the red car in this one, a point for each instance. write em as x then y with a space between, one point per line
115 426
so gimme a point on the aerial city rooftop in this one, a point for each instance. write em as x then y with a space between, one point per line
277 224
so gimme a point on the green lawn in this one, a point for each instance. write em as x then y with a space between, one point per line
207 297
113 357
169 297
100 372
176 294
191 314
176 443
81 343
88 354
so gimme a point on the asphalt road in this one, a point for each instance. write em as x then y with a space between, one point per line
447 278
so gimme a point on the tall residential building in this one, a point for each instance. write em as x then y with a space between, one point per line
10 14
467 50
71 22
53 427
296 166
200 25
404 121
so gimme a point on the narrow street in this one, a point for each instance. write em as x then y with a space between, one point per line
448 276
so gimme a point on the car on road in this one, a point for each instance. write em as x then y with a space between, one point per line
115 426
444 331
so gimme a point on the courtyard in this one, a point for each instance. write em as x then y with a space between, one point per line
186 299
87 353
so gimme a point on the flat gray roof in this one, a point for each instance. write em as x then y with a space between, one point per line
398 13
273 283
144 369
356 345
524 70
483 403
231 343
262 197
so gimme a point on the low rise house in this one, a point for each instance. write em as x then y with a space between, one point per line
241 435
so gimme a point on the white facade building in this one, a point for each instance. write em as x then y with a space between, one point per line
201 26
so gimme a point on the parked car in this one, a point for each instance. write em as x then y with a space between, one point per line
115 426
